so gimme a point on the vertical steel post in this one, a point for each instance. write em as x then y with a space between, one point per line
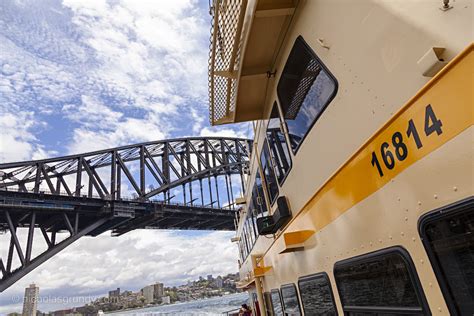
37 178
31 231
113 174
231 191
142 171
79 177
76 223
227 189
10 254
217 192
119 182
89 193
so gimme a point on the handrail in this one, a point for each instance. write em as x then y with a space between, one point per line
231 312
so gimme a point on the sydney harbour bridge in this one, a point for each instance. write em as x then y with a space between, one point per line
186 183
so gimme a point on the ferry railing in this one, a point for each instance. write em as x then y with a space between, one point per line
232 312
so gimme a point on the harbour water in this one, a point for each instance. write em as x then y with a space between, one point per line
206 307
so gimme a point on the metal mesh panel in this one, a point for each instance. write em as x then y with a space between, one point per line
312 71
224 57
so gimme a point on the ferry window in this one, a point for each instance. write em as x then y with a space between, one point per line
250 228
305 89
276 303
278 145
253 224
268 174
290 300
254 210
380 283
259 198
448 236
248 223
247 249
255 306
316 295
268 303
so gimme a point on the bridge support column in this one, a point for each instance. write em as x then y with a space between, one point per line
10 277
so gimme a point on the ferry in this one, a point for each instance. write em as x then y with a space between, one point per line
360 195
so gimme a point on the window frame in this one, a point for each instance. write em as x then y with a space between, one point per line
281 119
328 101
251 228
267 298
297 297
425 310
281 301
314 276
261 189
247 250
268 164
432 216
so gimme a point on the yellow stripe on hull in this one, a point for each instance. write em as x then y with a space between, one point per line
450 95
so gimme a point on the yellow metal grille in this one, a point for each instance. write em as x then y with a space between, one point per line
224 57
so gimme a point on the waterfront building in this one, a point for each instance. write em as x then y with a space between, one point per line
152 292
158 290
114 294
166 300
219 282
30 301
148 293
209 277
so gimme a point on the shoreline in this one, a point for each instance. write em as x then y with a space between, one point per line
174 304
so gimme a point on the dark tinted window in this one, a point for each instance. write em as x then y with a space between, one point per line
269 175
268 303
276 302
250 230
379 282
305 89
257 203
278 146
290 300
257 208
316 295
449 238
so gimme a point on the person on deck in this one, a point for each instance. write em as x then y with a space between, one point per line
245 310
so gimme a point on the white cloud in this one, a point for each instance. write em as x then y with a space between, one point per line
223 132
145 62
101 127
17 139
91 113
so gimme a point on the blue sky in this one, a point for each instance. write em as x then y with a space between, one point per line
81 75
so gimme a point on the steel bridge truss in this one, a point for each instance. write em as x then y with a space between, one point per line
187 183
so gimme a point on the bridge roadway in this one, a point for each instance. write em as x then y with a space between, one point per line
63 199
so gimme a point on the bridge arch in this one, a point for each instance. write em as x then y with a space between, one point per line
174 184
